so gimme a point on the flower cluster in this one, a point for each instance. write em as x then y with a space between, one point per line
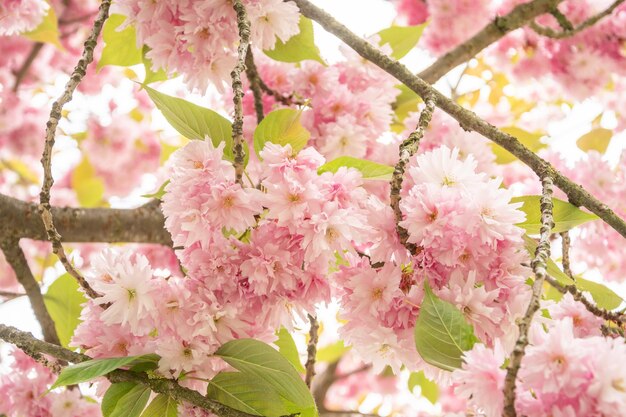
17 16
195 38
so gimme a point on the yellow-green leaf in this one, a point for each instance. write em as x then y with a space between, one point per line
151 75
530 139
281 127
287 347
120 47
88 187
401 39
331 353
299 47
429 389
47 31
369 169
596 140
566 216
63 301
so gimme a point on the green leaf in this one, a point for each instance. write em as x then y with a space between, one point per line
264 363
401 39
281 127
331 353
566 216
47 31
299 47
406 102
369 169
530 140
113 395
151 76
287 348
132 403
120 47
63 301
243 392
596 140
193 121
162 406
441 332
603 296
429 389
88 186
159 193
88 370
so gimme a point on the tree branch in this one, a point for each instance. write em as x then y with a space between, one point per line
143 224
243 25
407 149
15 257
467 119
539 265
491 33
255 85
21 73
51 126
568 29
565 244
28 343
311 351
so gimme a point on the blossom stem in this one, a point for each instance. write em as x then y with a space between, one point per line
243 24
539 266
46 160
255 85
311 350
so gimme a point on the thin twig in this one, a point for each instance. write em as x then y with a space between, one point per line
311 350
565 244
468 120
7 295
21 73
243 25
407 149
15 257
539 265
255 81
46 160
570 30
323 383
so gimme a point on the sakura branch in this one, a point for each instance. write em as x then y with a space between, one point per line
15 256
255 85
565 245
517 18
568 28
539 266
467 119
311 350
408 148
46 160
243 25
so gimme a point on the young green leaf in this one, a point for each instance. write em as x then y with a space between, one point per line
566 216
120 47
332 352
529 139
47 31
264 363
429 389
299 47
158 194
193 121
246 393
151 76
161 406
596 140
113 395
441 332
63 301
88 186
88 370
401 39
132 403
369 169
281 127
287 347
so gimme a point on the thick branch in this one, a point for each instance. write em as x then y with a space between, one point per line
51 126
15 257
28 343
539 265
568 29
243 25
311 351
466 118
407 149
491 33
143 224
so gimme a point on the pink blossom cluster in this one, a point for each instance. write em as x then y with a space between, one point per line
197 39
569 369
23 392
17 16
469 251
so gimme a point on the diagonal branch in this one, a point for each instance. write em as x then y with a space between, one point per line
51 126
311 350
568 29
15 257
466 118
494 31
539 265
